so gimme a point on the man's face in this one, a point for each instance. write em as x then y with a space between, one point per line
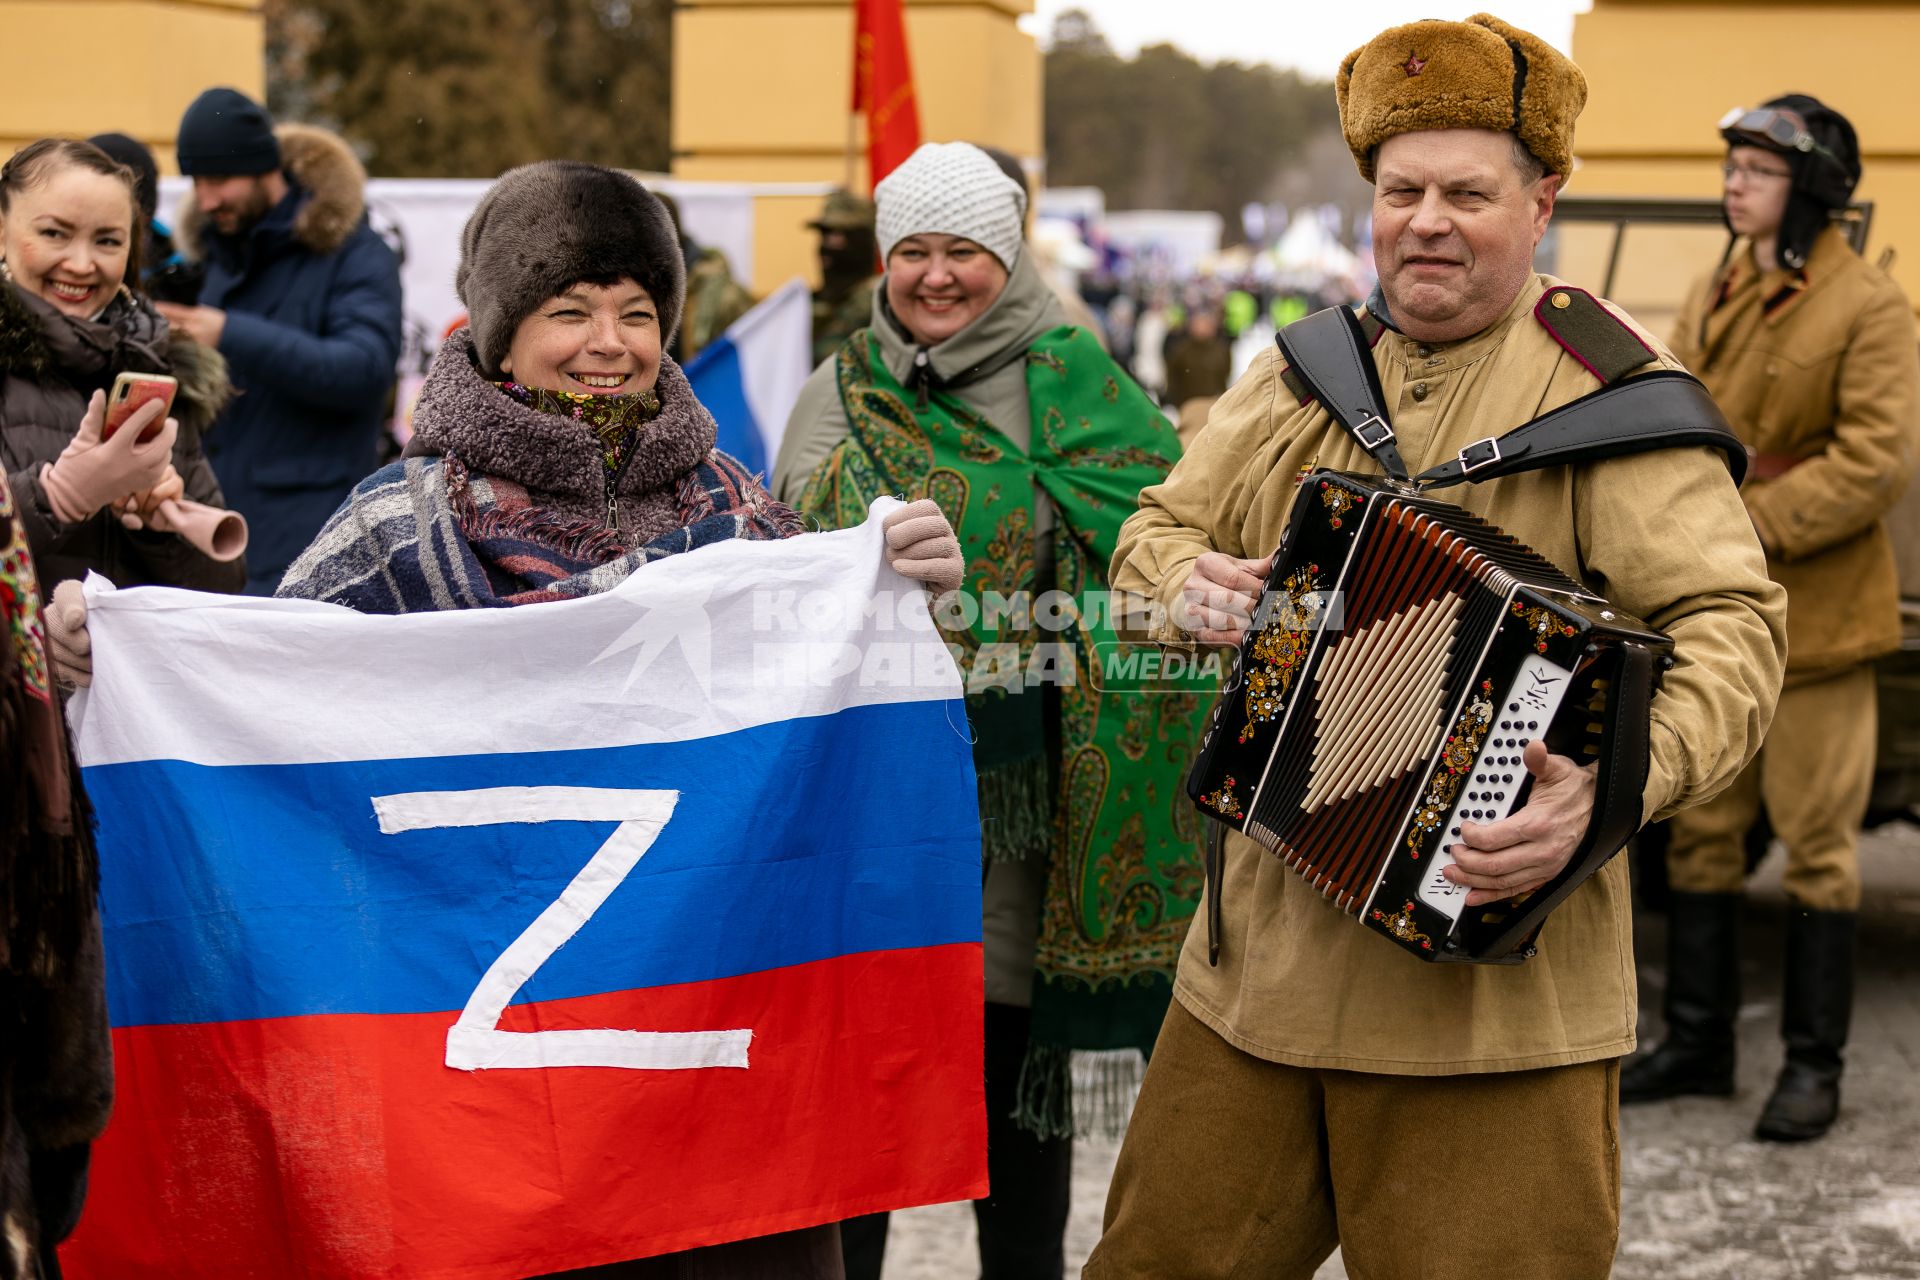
232 204
1758 183
1455 223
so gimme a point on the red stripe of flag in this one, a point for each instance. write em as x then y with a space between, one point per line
342 1146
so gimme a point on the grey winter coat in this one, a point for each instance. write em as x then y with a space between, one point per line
50 364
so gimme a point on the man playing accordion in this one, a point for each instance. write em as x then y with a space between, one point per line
1318 1086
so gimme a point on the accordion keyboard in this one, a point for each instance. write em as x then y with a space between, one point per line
1407 652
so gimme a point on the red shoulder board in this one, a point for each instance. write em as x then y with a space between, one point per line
1603 343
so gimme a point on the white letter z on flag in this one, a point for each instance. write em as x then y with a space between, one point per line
475 1041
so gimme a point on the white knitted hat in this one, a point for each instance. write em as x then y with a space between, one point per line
954 189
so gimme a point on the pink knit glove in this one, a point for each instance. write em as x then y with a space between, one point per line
68 644
91 472
921 545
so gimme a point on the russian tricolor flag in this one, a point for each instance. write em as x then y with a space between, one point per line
492 943
750 376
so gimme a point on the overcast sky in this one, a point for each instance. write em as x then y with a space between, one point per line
1311 36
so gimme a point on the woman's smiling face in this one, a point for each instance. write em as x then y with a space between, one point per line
938 284
66 238
594 339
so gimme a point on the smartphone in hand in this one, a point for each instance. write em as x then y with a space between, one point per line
130 391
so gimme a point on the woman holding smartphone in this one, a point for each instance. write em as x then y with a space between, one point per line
91 496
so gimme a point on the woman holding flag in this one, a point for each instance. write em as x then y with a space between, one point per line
970 388
556 450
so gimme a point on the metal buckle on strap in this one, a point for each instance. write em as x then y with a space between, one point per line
1481 453
1372 432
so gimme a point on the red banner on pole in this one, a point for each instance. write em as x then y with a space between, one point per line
883 84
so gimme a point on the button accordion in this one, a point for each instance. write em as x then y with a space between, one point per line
1406 653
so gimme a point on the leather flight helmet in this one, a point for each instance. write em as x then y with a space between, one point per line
1822 153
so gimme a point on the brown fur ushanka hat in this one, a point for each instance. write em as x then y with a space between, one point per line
1477 74
549 225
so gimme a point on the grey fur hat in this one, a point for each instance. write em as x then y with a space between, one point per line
549 225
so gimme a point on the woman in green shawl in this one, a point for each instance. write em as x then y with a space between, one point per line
969 387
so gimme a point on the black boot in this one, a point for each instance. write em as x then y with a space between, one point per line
1703 995
1816 1007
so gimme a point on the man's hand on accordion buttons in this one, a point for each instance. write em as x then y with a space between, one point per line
1221 595
1520 853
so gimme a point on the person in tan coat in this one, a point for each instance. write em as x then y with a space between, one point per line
1320 1086
1810 352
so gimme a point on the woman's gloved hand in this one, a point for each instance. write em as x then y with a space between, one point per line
68 645
922 545
91 473
142 510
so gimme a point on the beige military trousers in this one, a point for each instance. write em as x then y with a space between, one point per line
1814 774
1236 1168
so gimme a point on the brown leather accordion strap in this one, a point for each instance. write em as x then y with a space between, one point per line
1664 409
1214 867
1329 351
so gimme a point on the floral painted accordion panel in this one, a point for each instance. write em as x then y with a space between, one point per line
1406 653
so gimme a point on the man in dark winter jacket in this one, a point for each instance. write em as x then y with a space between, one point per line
303 299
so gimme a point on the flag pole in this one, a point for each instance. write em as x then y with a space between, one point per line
852 124
857 99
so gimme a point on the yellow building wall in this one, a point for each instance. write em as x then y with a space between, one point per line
1659 77
136 65
761 93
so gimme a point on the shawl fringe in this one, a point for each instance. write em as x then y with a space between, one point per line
1075 1093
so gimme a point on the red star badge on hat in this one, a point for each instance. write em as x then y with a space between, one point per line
1414 64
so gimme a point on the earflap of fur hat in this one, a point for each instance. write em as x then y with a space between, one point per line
1477 74
1552 92
548 225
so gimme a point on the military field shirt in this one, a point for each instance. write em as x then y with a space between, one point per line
1662 535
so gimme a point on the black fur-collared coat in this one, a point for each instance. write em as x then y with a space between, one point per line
50 364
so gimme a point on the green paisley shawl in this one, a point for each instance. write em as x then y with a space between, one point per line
1123 844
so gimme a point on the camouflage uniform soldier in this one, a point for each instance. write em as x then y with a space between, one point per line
848 254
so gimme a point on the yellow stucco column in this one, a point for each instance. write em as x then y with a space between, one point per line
81 67
1661 73
761 91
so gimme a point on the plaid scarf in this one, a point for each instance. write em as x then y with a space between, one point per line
428 533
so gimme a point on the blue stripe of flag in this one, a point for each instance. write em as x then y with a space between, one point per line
268 891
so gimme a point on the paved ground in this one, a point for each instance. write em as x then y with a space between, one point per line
1702 1200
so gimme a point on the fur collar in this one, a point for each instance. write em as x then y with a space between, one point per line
462 413
26 352
323 166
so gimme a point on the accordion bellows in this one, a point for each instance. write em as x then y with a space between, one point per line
1405 655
